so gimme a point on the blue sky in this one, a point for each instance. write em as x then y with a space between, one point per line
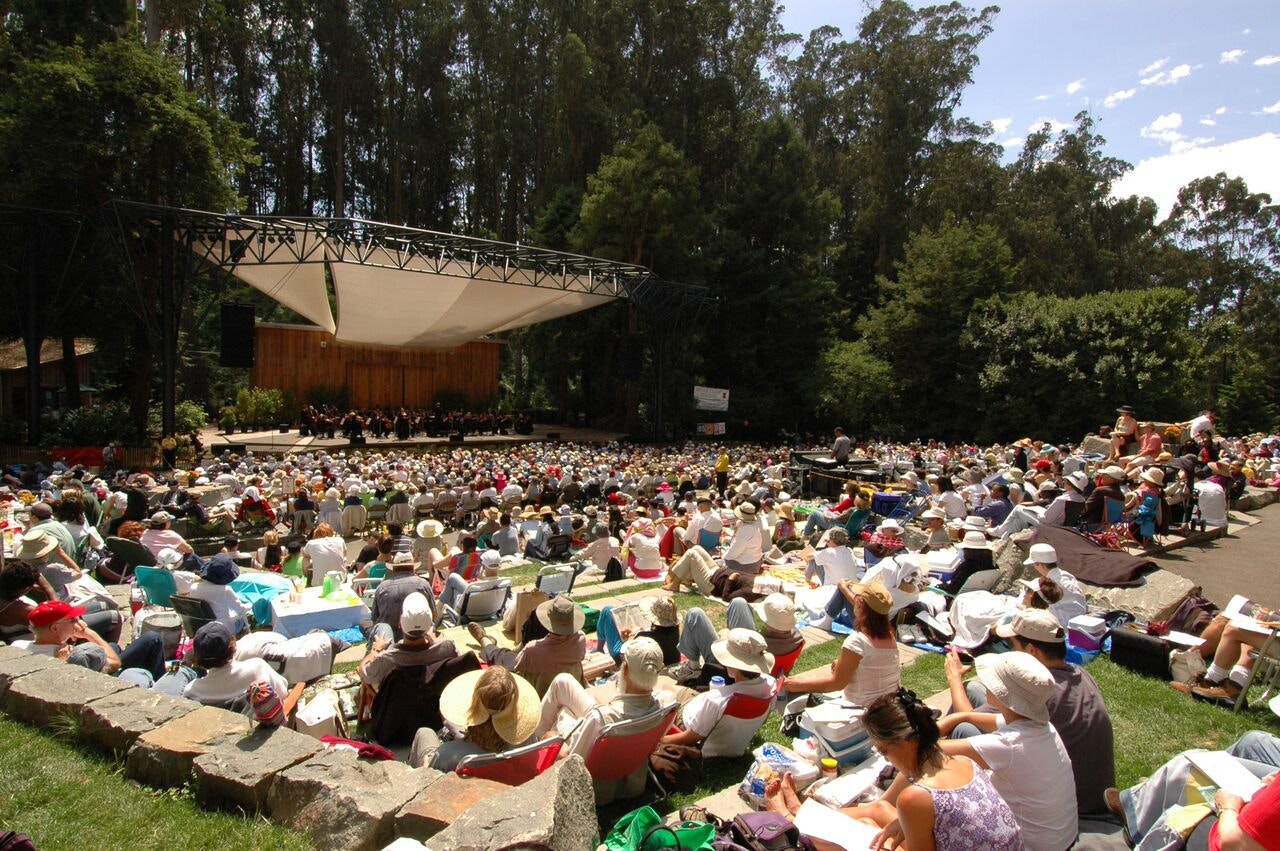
1179 88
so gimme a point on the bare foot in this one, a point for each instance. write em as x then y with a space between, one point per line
789 793
774 800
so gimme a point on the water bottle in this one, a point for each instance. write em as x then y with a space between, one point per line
717 682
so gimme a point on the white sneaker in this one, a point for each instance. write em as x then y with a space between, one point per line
823 622
686 669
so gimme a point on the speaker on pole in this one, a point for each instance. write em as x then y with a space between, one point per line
237 344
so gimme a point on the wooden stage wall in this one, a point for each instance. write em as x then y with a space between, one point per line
290 357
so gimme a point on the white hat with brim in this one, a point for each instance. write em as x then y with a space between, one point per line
1153 475
661 611
975 541
36 543
1033 625
890 526
515 723
1019 681
743 650
933 514
1078 480
1116 474
1041 554
746 511
430 529
778 612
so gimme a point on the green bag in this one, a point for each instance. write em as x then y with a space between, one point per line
643 830
592 617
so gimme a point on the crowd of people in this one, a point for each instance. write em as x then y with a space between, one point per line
1026 749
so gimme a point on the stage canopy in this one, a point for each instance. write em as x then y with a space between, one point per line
384 285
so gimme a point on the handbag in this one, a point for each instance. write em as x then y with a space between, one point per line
643 830
761 832
677 767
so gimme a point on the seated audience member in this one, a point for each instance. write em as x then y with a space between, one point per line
468 566
561 651
377 567
745 551
1158 812
867 666
66 581
698 636
325 551
975 557
1076 710
570 710
1029 766
997 506
937 801
645 543
746 656
389 597
61 633
416 647
495 709
506 539
900 574
270 556
886 541
161 536
294 563
784 531
41 514
216 576
1044 558
1051 506
1107 488
660 612
824 519
18 580
598 552
1211 497
227 679
254 510
834 561
935 524
1230 668
429 548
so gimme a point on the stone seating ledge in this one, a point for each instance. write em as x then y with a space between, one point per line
336 798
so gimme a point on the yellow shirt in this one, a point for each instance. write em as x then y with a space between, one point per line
722 463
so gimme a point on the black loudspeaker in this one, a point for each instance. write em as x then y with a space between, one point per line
359 441
237 347
233 448
457 437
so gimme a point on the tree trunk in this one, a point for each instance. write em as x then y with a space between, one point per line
70 371
153 23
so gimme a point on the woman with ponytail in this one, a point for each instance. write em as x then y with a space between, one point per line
937 802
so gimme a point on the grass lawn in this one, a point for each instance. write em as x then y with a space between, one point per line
66 797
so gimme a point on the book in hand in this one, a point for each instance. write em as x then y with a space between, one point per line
818 821
1226 772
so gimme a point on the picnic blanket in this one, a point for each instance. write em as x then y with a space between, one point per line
1090 563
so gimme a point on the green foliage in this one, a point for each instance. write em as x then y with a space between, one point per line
91 426
338 396
1047 365
1247 402
850 389
188 417
228 419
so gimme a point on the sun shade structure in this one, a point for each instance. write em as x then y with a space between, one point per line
404 287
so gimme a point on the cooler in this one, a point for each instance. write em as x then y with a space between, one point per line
1086 632
838 732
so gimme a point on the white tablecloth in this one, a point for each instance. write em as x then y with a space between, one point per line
294 619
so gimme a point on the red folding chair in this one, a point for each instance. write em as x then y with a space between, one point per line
782 665
513 767
747 707
625 746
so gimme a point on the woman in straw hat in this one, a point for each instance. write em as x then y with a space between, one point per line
944 802
746 656
867 666
494 709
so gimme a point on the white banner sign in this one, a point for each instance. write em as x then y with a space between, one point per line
711 398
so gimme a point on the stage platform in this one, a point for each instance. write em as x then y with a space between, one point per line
274 442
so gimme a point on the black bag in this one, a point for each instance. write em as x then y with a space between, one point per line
1139 652
1193 614
613 571
14 841
760 832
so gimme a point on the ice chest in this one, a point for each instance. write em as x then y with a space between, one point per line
1086 632
838 731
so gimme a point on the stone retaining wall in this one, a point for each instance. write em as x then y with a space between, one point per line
339 800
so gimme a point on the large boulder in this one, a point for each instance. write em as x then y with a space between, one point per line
342 801
61 689
240 773
164 756
556 809
1092 444
1008 555
15 663
114 723
1154 601
440 804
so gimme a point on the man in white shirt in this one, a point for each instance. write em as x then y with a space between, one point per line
227 679
1201 425
1211 502
703 720
599 551
836 561
216 577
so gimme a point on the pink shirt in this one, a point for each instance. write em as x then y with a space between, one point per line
159 539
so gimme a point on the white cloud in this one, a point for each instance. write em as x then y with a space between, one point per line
1012 142
1255 159
1041 97
1055 126
1173 75
1208 122
1231 56
1166 129
1154 66
1075 86
1222 110
1169 121
1273 109
1267 60
1112 100
1245 31
1000 126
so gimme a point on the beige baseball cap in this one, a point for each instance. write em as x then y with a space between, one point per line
1033 625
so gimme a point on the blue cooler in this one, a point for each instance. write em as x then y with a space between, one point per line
846 742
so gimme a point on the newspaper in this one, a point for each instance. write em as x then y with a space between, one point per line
1246 614
630 616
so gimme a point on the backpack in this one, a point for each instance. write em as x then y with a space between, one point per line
613 571
763 831
1193 614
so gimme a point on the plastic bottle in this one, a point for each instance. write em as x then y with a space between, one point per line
829 767
717 682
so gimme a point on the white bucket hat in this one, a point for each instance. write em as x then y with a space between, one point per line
1042 554
1019 681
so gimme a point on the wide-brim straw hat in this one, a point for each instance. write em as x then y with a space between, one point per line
561 616
746 511
975 541
744 650
515 723
36 543
786 511
661 611
430 529
1019 681
1154 475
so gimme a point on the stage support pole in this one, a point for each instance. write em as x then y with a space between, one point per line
168 325
659 372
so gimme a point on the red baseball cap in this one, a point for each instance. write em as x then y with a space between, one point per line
52 611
